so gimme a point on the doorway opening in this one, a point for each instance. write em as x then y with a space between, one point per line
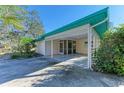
67 47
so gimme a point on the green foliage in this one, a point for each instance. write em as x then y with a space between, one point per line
15 56
110 55
11 20
26 48
25 40
24 51
12 15
18 28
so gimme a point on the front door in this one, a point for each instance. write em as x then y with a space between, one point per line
70 47
61 47
74 47
67 47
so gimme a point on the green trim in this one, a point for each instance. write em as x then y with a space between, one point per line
90 19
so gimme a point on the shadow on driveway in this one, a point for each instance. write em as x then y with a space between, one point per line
15 69
41 72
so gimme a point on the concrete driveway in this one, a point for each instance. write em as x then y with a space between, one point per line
45 72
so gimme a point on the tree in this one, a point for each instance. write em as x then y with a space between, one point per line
11 20
18 28
110 55
33 24
33 29
12 16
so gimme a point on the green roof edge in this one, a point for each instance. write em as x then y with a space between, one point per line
69 26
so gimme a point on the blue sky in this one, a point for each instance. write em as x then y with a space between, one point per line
55 16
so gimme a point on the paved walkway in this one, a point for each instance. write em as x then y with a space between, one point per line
44 72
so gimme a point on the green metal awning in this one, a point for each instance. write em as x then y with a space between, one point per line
90 19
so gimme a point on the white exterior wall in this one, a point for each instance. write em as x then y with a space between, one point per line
81 47
96 40
48 48
44 47
40 47
56 47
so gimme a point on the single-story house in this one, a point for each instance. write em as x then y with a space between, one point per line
81 36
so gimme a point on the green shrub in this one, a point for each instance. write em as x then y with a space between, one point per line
25 49
25 40
15 56
109 57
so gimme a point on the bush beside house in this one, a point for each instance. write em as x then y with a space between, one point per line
25 49
109 57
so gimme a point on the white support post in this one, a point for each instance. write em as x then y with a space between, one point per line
51 48
67 47
89 47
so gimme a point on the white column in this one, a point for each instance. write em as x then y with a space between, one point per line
89 47
67 47
51 48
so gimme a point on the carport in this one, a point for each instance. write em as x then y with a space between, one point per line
80 37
